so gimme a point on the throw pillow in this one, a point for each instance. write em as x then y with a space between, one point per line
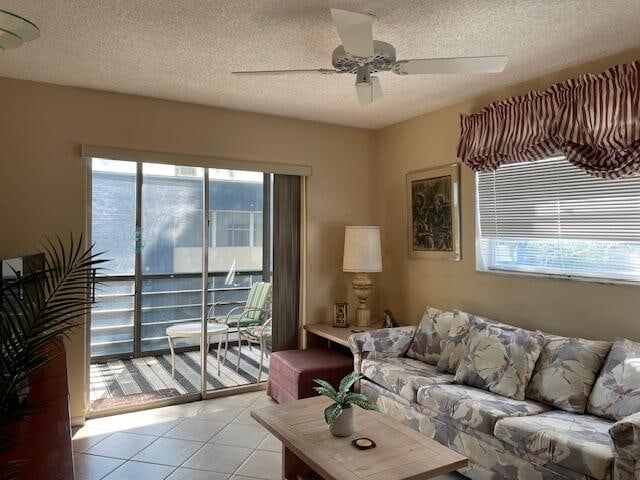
454 346
431 336
566 371
616 393
500 360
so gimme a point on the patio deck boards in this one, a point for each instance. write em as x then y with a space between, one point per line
130 382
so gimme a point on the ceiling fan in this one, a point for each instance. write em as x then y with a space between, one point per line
363 56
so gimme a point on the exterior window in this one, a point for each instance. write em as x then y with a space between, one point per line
549 217
232 229
237 229
257 229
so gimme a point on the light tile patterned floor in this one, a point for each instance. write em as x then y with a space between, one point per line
209 440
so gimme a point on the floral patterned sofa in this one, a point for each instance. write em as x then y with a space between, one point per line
518 403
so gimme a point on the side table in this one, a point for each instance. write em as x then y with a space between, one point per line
194 329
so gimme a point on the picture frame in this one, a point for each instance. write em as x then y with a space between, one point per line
340 315
433 213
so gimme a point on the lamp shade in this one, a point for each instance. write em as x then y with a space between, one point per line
362 250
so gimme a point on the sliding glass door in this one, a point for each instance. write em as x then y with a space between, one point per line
171 253
113 231
145 329
238 258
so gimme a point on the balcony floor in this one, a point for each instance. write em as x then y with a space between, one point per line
132 382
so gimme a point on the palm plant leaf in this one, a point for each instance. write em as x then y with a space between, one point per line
37 308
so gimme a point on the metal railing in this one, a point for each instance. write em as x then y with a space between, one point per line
122 329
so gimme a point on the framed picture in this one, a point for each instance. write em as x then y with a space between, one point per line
433 213
340 315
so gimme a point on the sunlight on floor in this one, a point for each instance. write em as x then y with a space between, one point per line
132 382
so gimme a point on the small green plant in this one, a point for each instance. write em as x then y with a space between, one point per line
343 397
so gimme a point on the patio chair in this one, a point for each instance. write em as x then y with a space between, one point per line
260 334
253 313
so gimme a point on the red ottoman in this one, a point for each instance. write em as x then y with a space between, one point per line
291 372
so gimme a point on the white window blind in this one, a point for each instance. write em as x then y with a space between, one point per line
549 217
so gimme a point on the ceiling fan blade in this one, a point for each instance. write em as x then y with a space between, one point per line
322 71
355 30
369 92
430 66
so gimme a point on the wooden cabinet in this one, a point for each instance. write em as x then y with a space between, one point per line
44 436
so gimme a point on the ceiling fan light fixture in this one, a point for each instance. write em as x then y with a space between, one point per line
15 30
364 57
363 77
9 39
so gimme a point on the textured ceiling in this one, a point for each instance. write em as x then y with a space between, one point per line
184 49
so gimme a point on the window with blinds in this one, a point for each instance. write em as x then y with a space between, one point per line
549 217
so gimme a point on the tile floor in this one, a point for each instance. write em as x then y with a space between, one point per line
209 440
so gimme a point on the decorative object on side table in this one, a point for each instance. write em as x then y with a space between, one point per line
339 415
362 255
340 316
433 211
389 320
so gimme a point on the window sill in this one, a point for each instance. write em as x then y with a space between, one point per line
602 281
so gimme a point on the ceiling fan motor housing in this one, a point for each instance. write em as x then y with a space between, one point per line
384 55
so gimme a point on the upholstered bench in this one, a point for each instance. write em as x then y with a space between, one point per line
291 372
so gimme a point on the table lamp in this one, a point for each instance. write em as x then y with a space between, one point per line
362 256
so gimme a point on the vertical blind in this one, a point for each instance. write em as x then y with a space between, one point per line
550 217
287 215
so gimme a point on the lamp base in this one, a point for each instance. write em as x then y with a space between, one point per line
362 286
363 317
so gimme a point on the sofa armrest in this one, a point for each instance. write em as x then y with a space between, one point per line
385 342
625 435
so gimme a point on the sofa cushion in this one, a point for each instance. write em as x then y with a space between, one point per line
474 408
454 346
577 442
616 393
403 376
431 336
458 332
566 371
500 360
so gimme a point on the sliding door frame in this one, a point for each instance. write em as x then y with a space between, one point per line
138 280
204 321
137 283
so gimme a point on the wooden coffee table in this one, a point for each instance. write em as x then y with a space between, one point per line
308 447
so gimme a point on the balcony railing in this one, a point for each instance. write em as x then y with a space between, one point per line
120 328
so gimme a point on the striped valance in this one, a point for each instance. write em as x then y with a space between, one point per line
594 120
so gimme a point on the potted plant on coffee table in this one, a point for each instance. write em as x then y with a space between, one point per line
339 415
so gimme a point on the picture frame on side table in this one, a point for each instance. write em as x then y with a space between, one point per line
340 315
433 213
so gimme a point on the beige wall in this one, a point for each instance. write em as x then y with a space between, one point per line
408 285
42 176
358 178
